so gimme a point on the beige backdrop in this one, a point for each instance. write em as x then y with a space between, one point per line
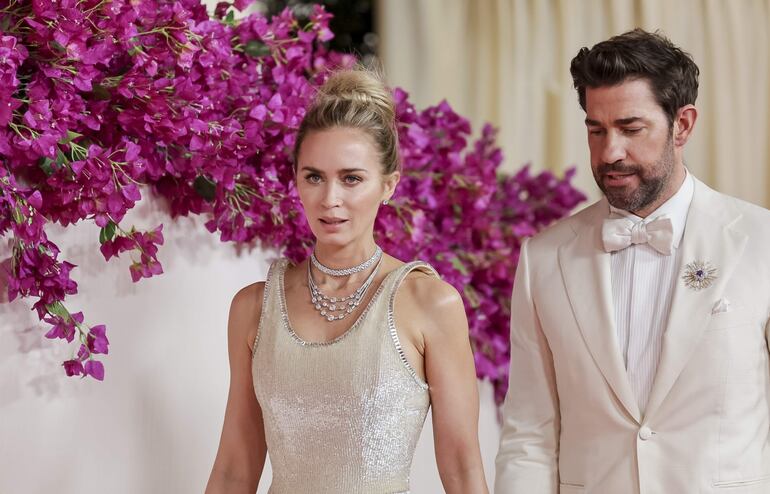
507 62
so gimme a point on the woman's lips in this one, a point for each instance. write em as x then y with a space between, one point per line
332 224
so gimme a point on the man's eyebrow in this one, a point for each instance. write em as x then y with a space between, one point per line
629 120
620 121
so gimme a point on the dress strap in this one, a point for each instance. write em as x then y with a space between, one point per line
402 273
407 268
268 297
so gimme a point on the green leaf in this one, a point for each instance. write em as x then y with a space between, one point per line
61 158
57 309
472 295
17 217
107 233
70 137
137 48
56 46
101 93
461 182
46 164
256 48
459 266
205 188
50 166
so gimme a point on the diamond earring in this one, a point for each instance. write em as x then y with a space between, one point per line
385 202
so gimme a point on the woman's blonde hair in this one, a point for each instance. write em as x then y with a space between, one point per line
358 99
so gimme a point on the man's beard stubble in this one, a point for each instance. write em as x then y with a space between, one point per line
652 181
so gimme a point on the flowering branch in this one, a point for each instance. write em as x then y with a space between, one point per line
102 101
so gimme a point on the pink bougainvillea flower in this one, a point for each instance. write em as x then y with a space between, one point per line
95 369
102 103
73 368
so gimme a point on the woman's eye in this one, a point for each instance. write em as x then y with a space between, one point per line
313 178
351 179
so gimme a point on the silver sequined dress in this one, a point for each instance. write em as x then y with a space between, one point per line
344 416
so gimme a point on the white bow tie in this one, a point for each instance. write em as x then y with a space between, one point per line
619 233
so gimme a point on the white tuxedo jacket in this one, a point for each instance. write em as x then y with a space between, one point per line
571 422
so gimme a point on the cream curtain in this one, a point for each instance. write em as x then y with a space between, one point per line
507 62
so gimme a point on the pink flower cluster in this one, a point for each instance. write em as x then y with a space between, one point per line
101 100
455 210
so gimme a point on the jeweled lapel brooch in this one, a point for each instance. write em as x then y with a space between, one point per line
699 275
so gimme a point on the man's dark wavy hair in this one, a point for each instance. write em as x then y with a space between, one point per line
638 54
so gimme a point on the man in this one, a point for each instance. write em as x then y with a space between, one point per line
639 336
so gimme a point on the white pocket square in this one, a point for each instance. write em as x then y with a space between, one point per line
722 305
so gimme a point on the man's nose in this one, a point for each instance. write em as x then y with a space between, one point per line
613 149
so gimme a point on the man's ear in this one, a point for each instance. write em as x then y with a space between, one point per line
684 122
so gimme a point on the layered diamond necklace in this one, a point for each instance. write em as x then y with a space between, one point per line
336 308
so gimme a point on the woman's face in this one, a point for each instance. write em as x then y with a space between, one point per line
341 185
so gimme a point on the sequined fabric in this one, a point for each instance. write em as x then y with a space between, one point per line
342 416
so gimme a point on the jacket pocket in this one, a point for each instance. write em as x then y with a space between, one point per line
571 488
750 484
731 319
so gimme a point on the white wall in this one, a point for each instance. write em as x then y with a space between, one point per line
153 425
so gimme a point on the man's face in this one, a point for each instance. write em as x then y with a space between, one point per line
631 143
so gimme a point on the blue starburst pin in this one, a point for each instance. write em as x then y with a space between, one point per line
699 275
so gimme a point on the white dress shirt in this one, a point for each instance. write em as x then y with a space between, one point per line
642 285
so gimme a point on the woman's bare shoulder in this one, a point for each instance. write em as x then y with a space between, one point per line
249 298
432 302
430 292
245 312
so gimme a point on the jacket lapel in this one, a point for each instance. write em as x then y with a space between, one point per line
708 236
586 270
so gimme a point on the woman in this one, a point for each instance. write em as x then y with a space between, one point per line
335 361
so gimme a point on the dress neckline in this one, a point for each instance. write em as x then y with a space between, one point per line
361 317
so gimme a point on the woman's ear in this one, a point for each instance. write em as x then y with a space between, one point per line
390 182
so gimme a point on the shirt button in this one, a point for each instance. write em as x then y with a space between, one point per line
645 433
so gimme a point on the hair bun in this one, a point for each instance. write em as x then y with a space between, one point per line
359 86
356 98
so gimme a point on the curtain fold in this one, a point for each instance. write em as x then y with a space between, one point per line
507 62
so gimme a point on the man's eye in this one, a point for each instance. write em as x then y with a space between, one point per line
595 132
632 130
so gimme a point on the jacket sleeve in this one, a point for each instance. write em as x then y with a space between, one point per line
527 461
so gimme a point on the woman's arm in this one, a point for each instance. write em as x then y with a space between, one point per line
242 448
437 310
